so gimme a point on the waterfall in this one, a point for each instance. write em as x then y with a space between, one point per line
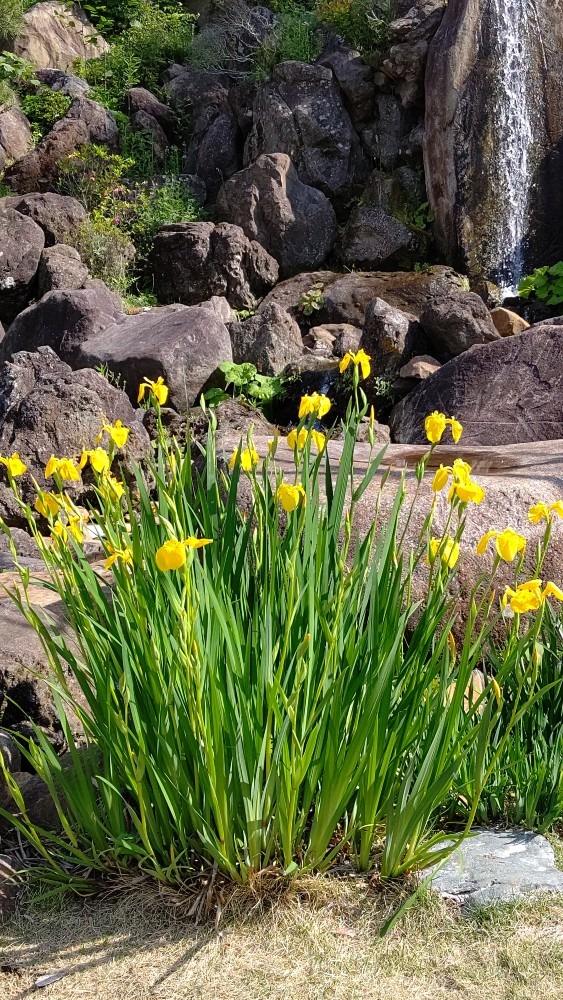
513 114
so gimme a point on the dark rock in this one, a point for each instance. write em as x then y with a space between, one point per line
347 338
100 123
270 340
15 136
241 102
300 112
193 261
183 344
372 238
355 79
143 122
455 323
344 297
58 215
63 83
215 149
292 221
60 267
9 751
39 805
504 392
139 99
382 138
390 337
406 60
62 320
21 243
192 89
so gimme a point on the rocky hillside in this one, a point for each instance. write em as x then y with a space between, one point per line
188 190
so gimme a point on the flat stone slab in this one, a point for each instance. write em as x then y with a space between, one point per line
498 866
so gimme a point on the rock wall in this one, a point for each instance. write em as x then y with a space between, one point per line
467 131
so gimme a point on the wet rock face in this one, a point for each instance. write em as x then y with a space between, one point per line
465 137
505 392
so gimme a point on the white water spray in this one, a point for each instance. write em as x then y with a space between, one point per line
513 112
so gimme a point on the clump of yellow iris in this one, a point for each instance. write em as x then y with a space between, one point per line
544 512
290 497
118 433
316 404
298 439
157 389
435 425
172 555
98 458
74 527
508 543
530 596
14 464
64 468
463 487
248 458
124 556
447 548
49 504
359 359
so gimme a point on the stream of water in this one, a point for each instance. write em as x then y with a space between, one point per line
513 111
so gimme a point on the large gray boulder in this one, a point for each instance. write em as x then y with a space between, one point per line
215 148
391 337
182 344
355 79
21 243
193 261
270 340
372 238
294 222
60 267
61 320
300 111
56 35
454 323
15 136
59 216
48 409
505 392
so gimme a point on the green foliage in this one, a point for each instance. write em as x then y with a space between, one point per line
363 23
15 71
294 37
151 41
43 108
158 205
11 18
106 250
545 284
112 16
7 96
312 300
277 698
93 175
249 385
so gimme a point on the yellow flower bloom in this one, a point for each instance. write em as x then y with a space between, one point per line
360 359
248 458
469 491
441 478
117 432
508 543
456 429
158 389
551 590
496 690
123 555
112 487
542 512
319 440
290 497
447 548
298 440
436 423
98 458
48 504
172 555
527 597
14 464
65 468
74 528
316 403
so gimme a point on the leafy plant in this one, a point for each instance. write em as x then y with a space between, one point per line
248 384
16 71
363 23
93 175
43 108
294 37
11 18
545 284
312 300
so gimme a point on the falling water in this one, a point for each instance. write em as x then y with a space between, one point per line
514 134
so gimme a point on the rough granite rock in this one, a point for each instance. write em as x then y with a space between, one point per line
372 238
21 243
453 324
48 409
64 83
390 337
56 34
192 261
355 79
61 320
183 344
505 392
59 216
196 89
498 866
420 367
142 122
300 111
215 149
382 137
410 36
60 267
507 322
140 99
15 136
294 222
270 340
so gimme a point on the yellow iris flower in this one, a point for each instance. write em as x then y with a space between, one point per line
436 423
447 548
158 389
248 458
508 543
118 433
14 464
359 359
98 458
172 555
316 404
64 467
542 511
290 496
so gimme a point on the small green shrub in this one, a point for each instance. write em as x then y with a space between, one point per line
17 72
363 23
545 284
312 300
93 175
106 250
11 18
295 37
249 385
43 108
157 205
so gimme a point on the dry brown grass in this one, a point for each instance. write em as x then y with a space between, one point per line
318 943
